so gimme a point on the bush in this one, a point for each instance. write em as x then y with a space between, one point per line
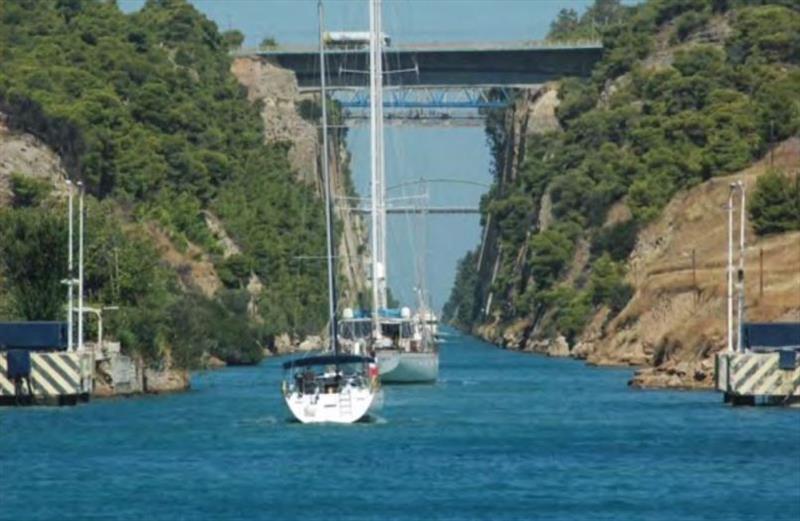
774 206
28 191
690 22
607 285
618 240
551 251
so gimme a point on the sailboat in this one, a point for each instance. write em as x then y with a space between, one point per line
333 387
402 342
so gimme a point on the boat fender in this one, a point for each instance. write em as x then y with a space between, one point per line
373 375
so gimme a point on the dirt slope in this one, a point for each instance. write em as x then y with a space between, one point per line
676 319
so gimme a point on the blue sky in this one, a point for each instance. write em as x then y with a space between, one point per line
295 21
411 152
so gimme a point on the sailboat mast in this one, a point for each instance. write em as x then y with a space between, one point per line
381 172
376 170
326 180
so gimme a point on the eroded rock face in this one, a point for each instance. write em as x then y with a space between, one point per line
24 154
675 322
276 88
283 344
166 380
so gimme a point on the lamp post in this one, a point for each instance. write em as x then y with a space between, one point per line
69 282
80 266
98 312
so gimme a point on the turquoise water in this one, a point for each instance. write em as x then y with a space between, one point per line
503 436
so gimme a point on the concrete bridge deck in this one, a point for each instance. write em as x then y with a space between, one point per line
514 64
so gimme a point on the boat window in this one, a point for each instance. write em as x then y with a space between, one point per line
352 330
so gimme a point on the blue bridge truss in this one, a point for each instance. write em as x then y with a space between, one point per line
443 98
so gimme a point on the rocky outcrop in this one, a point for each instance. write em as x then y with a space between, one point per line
276 89
26 155
675 321
163 381
117 374
194 267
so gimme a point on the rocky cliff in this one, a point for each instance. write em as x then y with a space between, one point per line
675 321
276 90
23 154
604 233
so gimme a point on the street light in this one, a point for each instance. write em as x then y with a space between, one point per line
98 312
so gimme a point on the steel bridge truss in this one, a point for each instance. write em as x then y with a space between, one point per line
427 97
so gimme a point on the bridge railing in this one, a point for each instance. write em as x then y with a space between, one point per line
430 46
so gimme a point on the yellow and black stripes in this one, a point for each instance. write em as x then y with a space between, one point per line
756 374
52 374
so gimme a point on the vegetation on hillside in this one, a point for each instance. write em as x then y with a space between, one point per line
774 206
636 132
143 109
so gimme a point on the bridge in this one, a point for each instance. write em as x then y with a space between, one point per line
431 210
439 81
510 64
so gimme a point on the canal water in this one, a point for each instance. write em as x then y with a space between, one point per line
503 436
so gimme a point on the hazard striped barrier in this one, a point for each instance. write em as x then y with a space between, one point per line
52 375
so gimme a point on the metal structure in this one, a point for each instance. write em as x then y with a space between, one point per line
512 64
761 364
378 205
435 84
430 210
407 97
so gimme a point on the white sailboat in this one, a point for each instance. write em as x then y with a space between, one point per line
402 342
331 388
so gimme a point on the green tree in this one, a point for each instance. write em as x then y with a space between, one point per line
34 262
774 206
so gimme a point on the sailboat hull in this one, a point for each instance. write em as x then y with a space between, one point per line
401 367
347 406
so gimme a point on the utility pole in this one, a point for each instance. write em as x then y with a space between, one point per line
70 276
740 277
80 266
734 187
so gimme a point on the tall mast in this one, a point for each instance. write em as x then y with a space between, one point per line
326 181
381 172
378 210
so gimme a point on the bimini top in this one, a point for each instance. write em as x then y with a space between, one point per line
327 360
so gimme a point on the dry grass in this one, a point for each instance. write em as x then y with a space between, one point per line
680 310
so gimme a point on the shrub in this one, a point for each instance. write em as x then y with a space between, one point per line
607 285
774 206
28 191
